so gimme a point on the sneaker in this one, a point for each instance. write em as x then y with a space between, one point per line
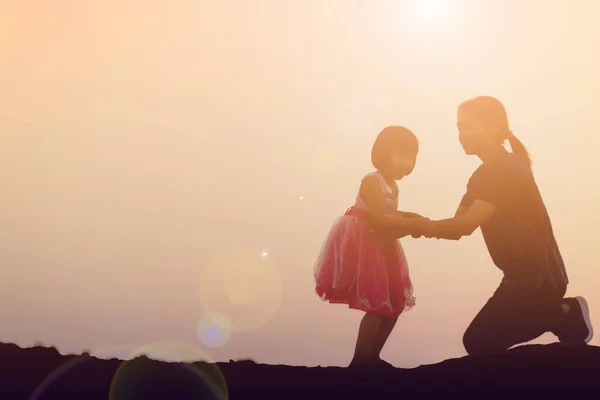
579 326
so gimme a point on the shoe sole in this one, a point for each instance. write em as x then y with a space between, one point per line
586 316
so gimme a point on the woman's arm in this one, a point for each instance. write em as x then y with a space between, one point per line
370 192
461 210
463 224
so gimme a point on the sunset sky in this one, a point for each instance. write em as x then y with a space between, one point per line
161 160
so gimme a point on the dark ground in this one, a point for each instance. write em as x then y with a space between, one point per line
530 372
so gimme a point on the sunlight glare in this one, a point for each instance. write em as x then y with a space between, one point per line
432 10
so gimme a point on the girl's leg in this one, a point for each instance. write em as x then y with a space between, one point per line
367 335
385 329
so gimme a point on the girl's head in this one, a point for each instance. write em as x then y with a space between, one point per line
483 128
395 151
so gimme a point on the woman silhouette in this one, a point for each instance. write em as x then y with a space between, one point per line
503 199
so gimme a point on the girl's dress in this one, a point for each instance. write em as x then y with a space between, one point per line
361 268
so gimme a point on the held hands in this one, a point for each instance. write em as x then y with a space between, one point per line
425 227
405 214
429 230
418 227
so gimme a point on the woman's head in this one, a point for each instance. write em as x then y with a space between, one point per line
483 127
394 152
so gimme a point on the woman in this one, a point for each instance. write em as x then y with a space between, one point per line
503 199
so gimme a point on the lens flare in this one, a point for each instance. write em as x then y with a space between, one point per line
244 286
74 364
214 330
138 378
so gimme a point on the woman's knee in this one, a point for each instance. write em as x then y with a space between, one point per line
472 344
478 343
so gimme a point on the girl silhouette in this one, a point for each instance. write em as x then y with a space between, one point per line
366 268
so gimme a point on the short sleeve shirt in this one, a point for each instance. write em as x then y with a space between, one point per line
519 237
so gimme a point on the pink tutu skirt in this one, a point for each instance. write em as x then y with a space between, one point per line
365 270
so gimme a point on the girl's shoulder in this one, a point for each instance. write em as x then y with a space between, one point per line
375 175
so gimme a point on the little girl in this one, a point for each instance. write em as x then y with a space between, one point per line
362 263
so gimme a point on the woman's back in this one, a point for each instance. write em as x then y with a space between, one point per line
519 237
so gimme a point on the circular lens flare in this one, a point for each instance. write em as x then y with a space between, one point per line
214 330
244 286
194 375
63 372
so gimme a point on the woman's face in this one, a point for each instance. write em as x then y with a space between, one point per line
472 134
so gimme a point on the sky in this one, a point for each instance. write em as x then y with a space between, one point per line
169 170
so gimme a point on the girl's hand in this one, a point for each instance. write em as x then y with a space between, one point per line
425 227
428 229
420 227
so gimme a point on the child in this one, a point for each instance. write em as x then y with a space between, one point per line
362 264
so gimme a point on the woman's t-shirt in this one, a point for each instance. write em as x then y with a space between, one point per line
519 236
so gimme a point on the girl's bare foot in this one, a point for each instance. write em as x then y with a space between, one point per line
365 362
383 363
373 363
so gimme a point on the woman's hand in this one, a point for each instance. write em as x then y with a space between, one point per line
425 227
421 224
429 229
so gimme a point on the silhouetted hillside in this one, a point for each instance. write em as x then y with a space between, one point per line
533 372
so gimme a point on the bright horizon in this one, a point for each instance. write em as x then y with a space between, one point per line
147 144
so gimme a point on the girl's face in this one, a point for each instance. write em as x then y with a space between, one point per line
402 164
472 134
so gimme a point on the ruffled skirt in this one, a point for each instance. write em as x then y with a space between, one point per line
363 269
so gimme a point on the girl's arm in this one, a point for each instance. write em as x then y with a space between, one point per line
407 214
464 224
370 192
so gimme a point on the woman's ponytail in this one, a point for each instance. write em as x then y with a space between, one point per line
492 113
519 149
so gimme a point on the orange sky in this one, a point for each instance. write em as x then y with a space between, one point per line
145 142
